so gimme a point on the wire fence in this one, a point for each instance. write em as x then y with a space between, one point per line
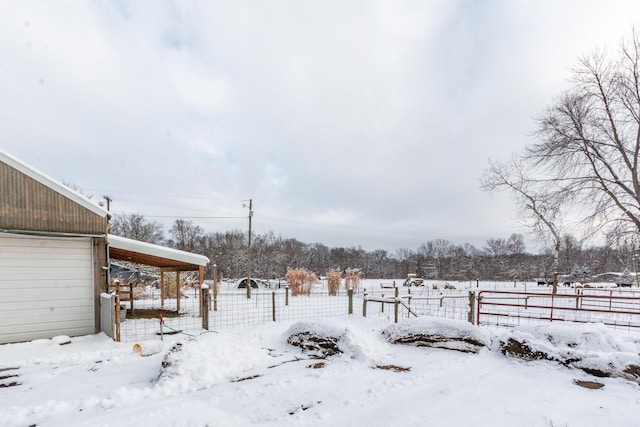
233 309
149 318
146 318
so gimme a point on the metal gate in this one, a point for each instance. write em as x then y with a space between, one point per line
509 309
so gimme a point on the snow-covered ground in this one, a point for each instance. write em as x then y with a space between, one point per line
252 376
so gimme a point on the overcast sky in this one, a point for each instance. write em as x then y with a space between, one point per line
350 123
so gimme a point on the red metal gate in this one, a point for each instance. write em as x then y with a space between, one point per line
505 308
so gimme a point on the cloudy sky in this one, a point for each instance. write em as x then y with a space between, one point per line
347 122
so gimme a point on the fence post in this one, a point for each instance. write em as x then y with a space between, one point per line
364 304
472 307
382 303
117 318
215 287
350 295
131 296
286 295
205 306
395 307
273 305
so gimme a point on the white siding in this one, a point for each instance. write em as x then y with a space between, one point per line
46 287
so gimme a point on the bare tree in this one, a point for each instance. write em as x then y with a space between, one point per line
186 236
496 247
136 226
589 139
515 244
541 210
380 257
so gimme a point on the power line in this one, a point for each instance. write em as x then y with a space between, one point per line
165 196
193 217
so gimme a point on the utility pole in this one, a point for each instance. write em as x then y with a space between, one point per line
249 251
108 199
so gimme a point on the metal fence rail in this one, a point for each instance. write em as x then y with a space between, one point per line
504 308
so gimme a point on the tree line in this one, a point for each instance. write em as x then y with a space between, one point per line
272 255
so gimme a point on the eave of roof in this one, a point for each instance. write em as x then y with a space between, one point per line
52 183
154 255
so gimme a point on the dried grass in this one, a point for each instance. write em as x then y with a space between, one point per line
334 277
300 281
352 278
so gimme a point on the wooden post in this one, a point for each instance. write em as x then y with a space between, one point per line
177 292
395 308
350 295
117 337
472 307
286 295
215 287
204 297
273 305
131 296
200 282
382 303
364 304
161 288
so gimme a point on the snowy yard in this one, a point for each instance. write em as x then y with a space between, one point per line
252 376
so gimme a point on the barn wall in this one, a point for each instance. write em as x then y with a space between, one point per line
26 204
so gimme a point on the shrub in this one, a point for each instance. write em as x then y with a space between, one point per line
300 280
352 278
334 277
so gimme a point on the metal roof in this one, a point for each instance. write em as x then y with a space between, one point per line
131 250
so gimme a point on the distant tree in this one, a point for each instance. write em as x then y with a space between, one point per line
137 227
403 255
380 257
580 273
186 236
228 250
442 250
496 247
515 244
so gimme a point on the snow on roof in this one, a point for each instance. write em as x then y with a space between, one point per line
52 183
155 250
